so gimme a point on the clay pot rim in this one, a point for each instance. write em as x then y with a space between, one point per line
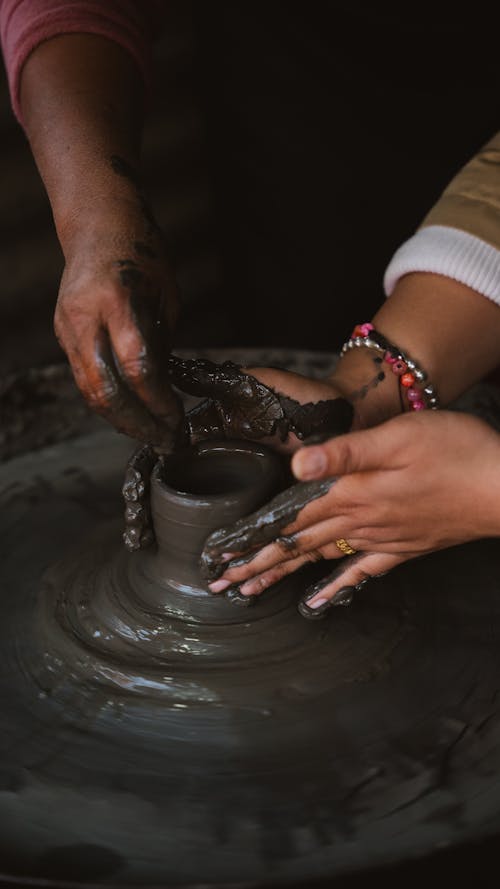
252 449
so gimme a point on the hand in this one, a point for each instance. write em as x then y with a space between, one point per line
114 318
414 484
240 404
266 404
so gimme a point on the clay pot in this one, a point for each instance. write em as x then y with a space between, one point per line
194 492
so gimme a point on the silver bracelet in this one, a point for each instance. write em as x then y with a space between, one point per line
419 393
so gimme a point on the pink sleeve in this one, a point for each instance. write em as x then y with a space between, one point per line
24 24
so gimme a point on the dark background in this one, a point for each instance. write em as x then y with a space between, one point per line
289 149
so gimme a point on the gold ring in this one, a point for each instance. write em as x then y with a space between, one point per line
345 547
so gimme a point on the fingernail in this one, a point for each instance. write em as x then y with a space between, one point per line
313 613
319 608
246 588
317 604
309 463
217 586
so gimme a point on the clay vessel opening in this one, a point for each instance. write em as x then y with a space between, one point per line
219 469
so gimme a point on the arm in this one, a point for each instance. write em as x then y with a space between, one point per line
452 331
80 101
402 490
443 307
443 286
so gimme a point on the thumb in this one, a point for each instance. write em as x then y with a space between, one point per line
361 451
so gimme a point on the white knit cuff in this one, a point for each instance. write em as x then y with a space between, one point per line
451 252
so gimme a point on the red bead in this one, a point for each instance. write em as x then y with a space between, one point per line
414 394
399 367
407 380
366 328
389 358
418 405
362 330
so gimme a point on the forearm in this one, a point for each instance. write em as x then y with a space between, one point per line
451 331
81 100
443 285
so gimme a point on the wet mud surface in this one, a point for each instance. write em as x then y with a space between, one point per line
164 741
40 407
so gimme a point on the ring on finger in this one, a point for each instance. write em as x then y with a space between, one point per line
345 547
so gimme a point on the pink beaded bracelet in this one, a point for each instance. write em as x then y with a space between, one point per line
420 394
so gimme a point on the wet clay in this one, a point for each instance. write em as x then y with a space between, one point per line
155 734
237 405
148 623
159 723
261 527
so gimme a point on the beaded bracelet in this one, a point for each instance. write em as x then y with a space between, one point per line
419 393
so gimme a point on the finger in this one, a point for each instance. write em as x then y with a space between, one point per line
261 527
138 532
338 588
139 361
257 584
101 385
310 406
281 380
261 582
361 451
245 407
204 422
291 546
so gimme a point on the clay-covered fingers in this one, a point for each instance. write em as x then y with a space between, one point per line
115 318
262 527
276 405
400 493
140 341
340 586
255 575
105 389
117 341
138 532
259 569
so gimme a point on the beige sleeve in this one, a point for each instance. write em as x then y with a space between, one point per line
471 202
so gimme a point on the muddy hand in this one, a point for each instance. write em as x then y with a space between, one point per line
136 488
230 548
239 404
401 492
114 318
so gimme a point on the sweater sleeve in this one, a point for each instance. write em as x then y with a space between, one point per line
460 236
24 24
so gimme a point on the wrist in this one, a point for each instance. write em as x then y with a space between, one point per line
366 384
451 330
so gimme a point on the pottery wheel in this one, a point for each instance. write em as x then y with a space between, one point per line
374 739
